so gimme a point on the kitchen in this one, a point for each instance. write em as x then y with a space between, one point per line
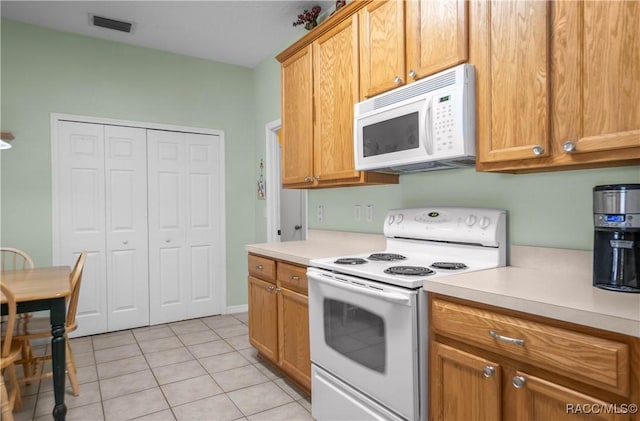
549 209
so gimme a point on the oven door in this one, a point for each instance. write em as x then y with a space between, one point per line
365 333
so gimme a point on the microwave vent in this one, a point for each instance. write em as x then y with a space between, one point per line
415 89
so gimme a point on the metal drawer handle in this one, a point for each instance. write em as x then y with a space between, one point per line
294 278
507 339
259 267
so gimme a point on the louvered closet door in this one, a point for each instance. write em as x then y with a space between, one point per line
185 249
126 227
80 203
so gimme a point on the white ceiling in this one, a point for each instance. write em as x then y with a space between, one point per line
238 32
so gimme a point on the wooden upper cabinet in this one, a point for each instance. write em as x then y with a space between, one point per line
382 58
557 84
436 36
401 41
510 49
596 62
335 70
297 118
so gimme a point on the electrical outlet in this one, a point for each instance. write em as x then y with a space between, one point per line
320 213
357 213
369 213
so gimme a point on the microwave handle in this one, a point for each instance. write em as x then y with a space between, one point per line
427 125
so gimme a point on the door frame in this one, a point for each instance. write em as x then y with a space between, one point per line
274 183
57 117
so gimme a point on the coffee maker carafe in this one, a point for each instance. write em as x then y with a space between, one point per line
616 249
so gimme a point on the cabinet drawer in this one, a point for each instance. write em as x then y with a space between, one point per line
589 359
293 277
262 268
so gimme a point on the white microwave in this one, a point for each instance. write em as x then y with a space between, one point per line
426 125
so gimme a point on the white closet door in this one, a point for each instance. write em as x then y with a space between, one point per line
205 242
168 277
126 227
186 241
80 196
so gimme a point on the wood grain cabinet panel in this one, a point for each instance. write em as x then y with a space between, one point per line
491 363
593 360
402 41
263 318
320 86
279 316
293 322
464 386
557 84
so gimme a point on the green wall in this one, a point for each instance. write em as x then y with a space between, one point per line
46 72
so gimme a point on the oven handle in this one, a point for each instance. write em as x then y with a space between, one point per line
392 297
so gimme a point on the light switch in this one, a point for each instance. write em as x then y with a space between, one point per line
320 213
357 213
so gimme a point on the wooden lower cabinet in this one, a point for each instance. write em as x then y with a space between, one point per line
511 377
263 317
279 316
464 386
293 335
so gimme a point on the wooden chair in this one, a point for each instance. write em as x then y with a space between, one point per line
11 352
39 327
14 259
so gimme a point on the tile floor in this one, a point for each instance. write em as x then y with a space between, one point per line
200 369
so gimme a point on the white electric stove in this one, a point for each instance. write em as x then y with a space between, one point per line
368 312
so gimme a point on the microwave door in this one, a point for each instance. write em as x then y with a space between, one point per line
390 136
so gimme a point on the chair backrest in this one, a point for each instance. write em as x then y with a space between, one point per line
11 318
14 259
75 279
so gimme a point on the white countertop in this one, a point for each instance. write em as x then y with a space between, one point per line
320 243
554 283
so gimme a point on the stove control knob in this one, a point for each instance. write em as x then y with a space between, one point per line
484 222
391 219
471 220
400 218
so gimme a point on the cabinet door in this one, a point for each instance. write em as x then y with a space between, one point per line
596 61
509 45
381 26
335 65
538 399
297 119
293 335
263 318
126 227
437 36
463 386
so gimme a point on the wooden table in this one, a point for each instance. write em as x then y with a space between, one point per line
45 289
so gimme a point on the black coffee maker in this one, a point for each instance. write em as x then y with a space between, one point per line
616 249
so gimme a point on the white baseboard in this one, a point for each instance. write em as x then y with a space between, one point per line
243 308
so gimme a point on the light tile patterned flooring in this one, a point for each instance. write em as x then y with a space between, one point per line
200 369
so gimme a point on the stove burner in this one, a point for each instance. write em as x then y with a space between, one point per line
386 257
350 261
409 270
448 265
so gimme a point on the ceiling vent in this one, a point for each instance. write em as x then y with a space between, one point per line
116 25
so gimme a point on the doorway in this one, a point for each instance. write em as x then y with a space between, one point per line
286 208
